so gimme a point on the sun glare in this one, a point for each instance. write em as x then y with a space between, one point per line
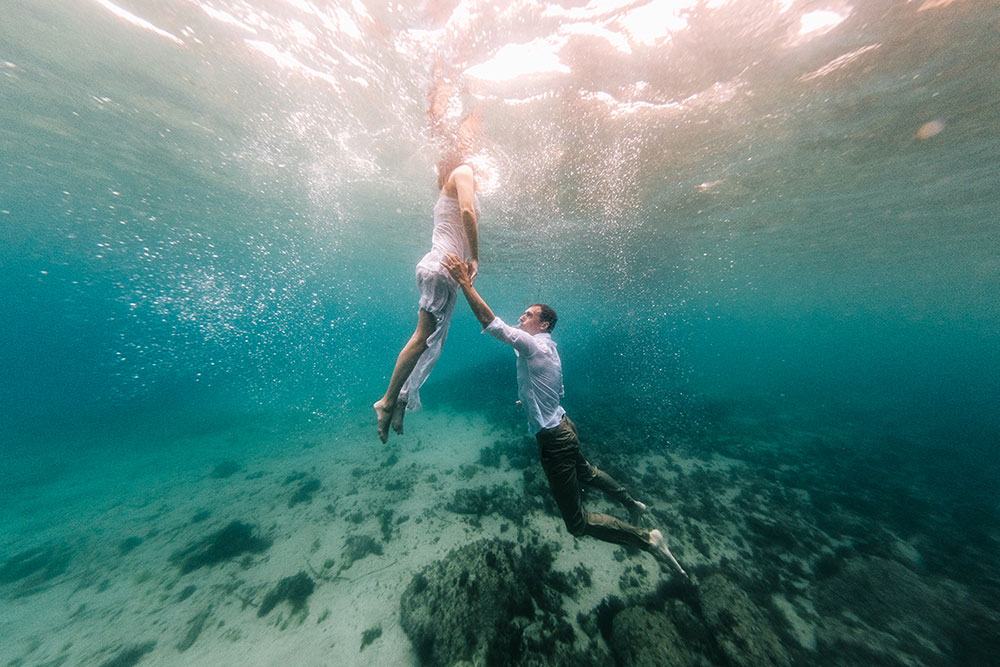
137 21
819 22
652 23
515 60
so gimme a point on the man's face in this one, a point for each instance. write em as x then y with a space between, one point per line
531 321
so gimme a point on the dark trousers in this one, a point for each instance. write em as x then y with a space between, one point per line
566 469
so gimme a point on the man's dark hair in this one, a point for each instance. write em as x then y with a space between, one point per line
546 314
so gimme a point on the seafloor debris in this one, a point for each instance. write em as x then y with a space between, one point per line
304 493
357 547
295 590
234 540
129 655
195 625
30 570
498 499
370 635
129 543
225 469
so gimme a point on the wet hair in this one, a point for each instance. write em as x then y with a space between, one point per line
546 314
447 164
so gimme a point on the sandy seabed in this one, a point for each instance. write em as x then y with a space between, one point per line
108 558
113 524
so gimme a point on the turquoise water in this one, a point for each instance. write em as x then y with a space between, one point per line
757 220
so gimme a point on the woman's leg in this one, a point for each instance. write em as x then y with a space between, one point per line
405 362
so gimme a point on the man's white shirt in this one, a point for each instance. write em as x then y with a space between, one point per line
539 373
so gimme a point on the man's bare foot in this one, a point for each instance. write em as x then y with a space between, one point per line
636 510
398 412
658 547
383 416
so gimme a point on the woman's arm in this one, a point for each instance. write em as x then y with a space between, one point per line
465 186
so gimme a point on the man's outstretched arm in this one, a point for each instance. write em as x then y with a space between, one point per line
459 270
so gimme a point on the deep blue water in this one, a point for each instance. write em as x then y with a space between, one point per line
182 219
785 211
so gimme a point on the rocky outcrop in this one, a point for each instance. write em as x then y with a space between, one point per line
464 607
491 603
643 638
879 611
742 630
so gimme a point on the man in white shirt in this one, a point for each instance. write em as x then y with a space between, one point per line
540 389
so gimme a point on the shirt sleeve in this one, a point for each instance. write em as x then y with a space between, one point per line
523 342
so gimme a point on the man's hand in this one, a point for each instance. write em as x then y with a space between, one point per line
458 269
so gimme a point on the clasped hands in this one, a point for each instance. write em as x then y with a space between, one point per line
462 271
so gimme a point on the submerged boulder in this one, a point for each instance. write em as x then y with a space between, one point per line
644 638
741 629
463 607
875 610
492 603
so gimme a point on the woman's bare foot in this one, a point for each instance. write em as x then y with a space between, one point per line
383 416
398 412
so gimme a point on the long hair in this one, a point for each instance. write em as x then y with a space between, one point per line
459 146
451 161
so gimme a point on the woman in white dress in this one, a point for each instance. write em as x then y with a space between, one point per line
456 231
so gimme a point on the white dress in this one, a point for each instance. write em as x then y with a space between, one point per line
438 290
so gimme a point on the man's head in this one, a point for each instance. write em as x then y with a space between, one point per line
538 318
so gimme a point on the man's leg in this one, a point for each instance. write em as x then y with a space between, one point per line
589 474
559 451
593 476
